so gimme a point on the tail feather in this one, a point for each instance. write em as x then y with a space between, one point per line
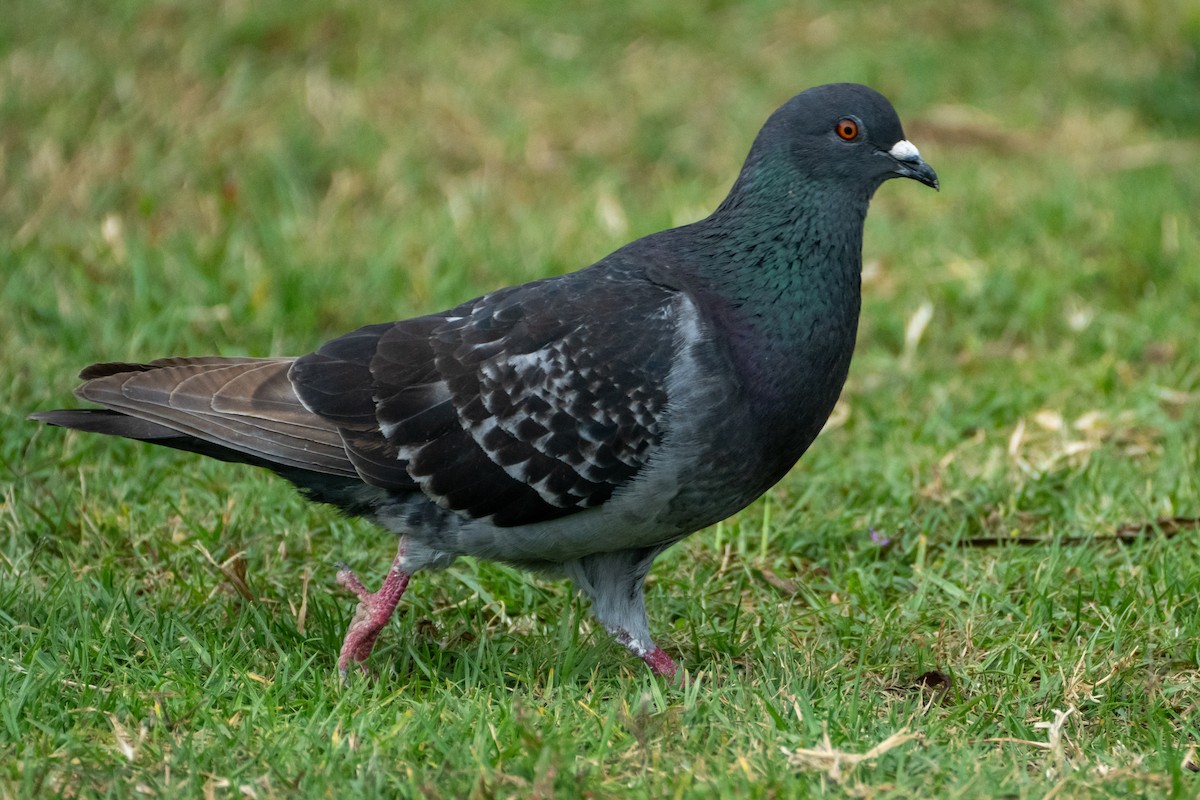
106 368
102 420
235 409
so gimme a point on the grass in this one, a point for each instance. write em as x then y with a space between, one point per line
256 178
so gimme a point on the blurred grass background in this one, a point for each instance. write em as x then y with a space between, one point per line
254 178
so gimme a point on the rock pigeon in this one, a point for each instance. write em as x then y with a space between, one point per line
577 425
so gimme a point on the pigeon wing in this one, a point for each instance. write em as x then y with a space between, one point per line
245 407
524 405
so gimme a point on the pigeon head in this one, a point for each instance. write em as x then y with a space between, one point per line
843 133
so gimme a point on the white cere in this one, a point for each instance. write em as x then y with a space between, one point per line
904 150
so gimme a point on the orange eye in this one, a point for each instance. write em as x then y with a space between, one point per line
847 129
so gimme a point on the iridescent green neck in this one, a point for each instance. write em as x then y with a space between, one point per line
785 250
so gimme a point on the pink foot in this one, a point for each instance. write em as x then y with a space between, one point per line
659 662
662 664
373 611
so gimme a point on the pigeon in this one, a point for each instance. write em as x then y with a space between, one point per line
577 425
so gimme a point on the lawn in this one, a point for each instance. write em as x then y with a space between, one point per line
983 580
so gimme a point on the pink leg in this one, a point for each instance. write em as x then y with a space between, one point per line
373 612
659 662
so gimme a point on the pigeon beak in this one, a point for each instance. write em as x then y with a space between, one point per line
909 163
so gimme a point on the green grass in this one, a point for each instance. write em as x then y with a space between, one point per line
254 178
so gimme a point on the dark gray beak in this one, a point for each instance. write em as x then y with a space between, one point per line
909 164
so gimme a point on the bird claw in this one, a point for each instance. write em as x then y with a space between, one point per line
371 615
350 582
345 670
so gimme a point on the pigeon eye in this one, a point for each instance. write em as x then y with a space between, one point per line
847 129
